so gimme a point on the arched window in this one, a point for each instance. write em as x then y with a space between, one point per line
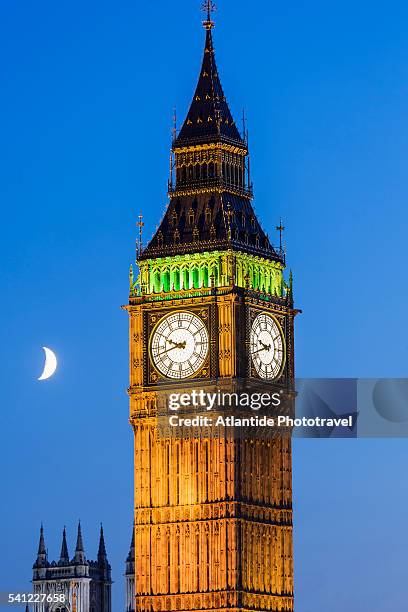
184 174
211 169
268 282
197 172
204 276
176 280
186 279
156 282
256 278
239 275
204 171
166 280
196 278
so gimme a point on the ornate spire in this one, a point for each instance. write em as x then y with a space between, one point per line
41 544
209 118
208 7
210 204
79 556
130 560
64 556
41 560
102 556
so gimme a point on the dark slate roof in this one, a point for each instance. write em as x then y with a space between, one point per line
209 117
208 215
209 222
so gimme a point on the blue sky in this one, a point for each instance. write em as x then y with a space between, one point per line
87 91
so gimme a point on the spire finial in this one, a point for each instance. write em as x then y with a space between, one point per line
280 228
139 246
208 7
174 128
244 126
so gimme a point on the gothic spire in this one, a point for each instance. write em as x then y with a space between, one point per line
41 560
209 118
79 556
102 556
41 544
210 203
64 556
130 560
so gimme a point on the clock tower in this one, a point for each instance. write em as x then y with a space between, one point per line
209 309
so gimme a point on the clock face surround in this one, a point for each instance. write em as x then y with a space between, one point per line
267 346
179 345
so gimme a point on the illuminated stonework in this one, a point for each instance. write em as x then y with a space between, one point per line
213 514
205 270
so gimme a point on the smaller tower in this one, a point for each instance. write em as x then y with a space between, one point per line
79 556
100 572
85 584
130 575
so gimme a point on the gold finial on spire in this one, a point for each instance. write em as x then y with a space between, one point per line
139 242
208 7
280 228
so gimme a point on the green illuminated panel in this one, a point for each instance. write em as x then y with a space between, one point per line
183 273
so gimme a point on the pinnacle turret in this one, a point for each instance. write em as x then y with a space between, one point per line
64 556
41 560
79 556
130 560
102 556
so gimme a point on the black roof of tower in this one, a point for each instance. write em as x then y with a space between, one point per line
209 117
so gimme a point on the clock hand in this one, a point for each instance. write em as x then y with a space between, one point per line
265 347
167 350
180 345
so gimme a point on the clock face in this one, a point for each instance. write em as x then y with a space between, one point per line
267 346
179 345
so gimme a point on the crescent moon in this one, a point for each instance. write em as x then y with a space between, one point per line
50 364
